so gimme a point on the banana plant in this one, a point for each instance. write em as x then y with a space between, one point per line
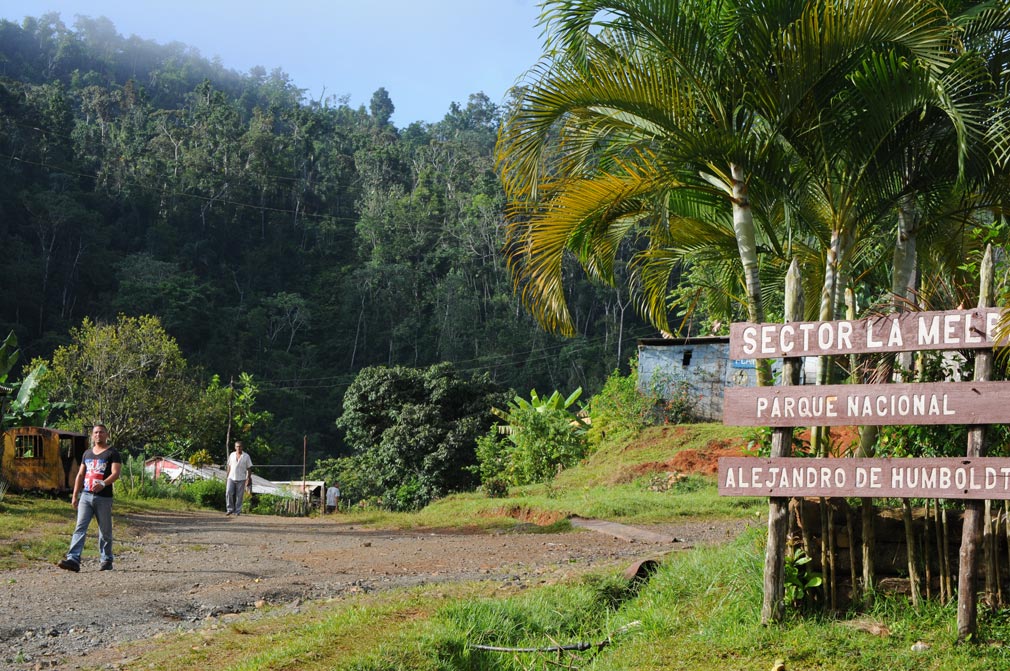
9 354
540 404
25 403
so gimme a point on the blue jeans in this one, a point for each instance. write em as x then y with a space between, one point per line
91 506
234 492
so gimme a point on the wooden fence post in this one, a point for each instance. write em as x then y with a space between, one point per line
967 577
773 608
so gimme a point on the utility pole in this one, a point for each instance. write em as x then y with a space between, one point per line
227 435
305 451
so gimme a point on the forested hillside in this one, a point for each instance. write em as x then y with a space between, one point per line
296 240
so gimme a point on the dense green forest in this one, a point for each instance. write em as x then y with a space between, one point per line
295 240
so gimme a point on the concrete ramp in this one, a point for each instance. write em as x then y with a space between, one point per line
632 534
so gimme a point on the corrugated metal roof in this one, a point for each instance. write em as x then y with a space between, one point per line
259 485
698 340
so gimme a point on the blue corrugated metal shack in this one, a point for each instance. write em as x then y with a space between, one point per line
703 364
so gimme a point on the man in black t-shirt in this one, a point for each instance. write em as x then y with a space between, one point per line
100 467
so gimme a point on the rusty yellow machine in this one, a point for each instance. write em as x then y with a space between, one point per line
40 459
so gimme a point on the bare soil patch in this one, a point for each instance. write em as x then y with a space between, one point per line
687 461
177 571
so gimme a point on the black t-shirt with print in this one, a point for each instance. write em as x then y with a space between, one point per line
98 467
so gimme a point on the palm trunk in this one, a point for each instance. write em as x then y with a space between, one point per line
1006 526
989 555
746 240
949 577
869 537
850 532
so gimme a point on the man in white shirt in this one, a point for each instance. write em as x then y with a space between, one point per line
332 497
239 477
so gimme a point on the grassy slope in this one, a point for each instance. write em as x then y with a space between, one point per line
624 484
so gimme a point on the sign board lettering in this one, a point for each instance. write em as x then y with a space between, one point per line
898 332
943 478
868 404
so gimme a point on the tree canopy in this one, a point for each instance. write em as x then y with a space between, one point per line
297 241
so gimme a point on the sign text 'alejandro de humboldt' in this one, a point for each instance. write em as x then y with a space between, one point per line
873 404
941 478
900 332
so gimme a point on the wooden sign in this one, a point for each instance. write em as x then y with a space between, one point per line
873 404
942 478
899 332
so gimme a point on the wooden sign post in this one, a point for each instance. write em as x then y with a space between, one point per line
976 404
773 607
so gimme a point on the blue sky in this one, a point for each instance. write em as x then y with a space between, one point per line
426 54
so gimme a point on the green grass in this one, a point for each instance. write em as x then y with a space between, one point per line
700 610
33 529
389 630
610 484
38 528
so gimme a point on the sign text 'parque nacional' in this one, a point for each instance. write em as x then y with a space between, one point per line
941 478
868 404
899 332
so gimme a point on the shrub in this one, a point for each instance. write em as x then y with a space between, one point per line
679 408
417 430
543 443
201 458
205 493
495 487
493 457
539 438
266 504
620 411
355 475
409 495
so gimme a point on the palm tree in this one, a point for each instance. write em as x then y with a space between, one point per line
651 118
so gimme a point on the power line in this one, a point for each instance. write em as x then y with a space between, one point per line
345 379
181 194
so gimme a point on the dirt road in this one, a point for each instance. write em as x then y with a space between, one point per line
180 570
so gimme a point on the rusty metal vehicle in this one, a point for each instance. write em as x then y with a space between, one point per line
40 459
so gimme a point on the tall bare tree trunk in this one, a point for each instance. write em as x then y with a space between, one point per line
227 433
914 580
927 567
850 532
